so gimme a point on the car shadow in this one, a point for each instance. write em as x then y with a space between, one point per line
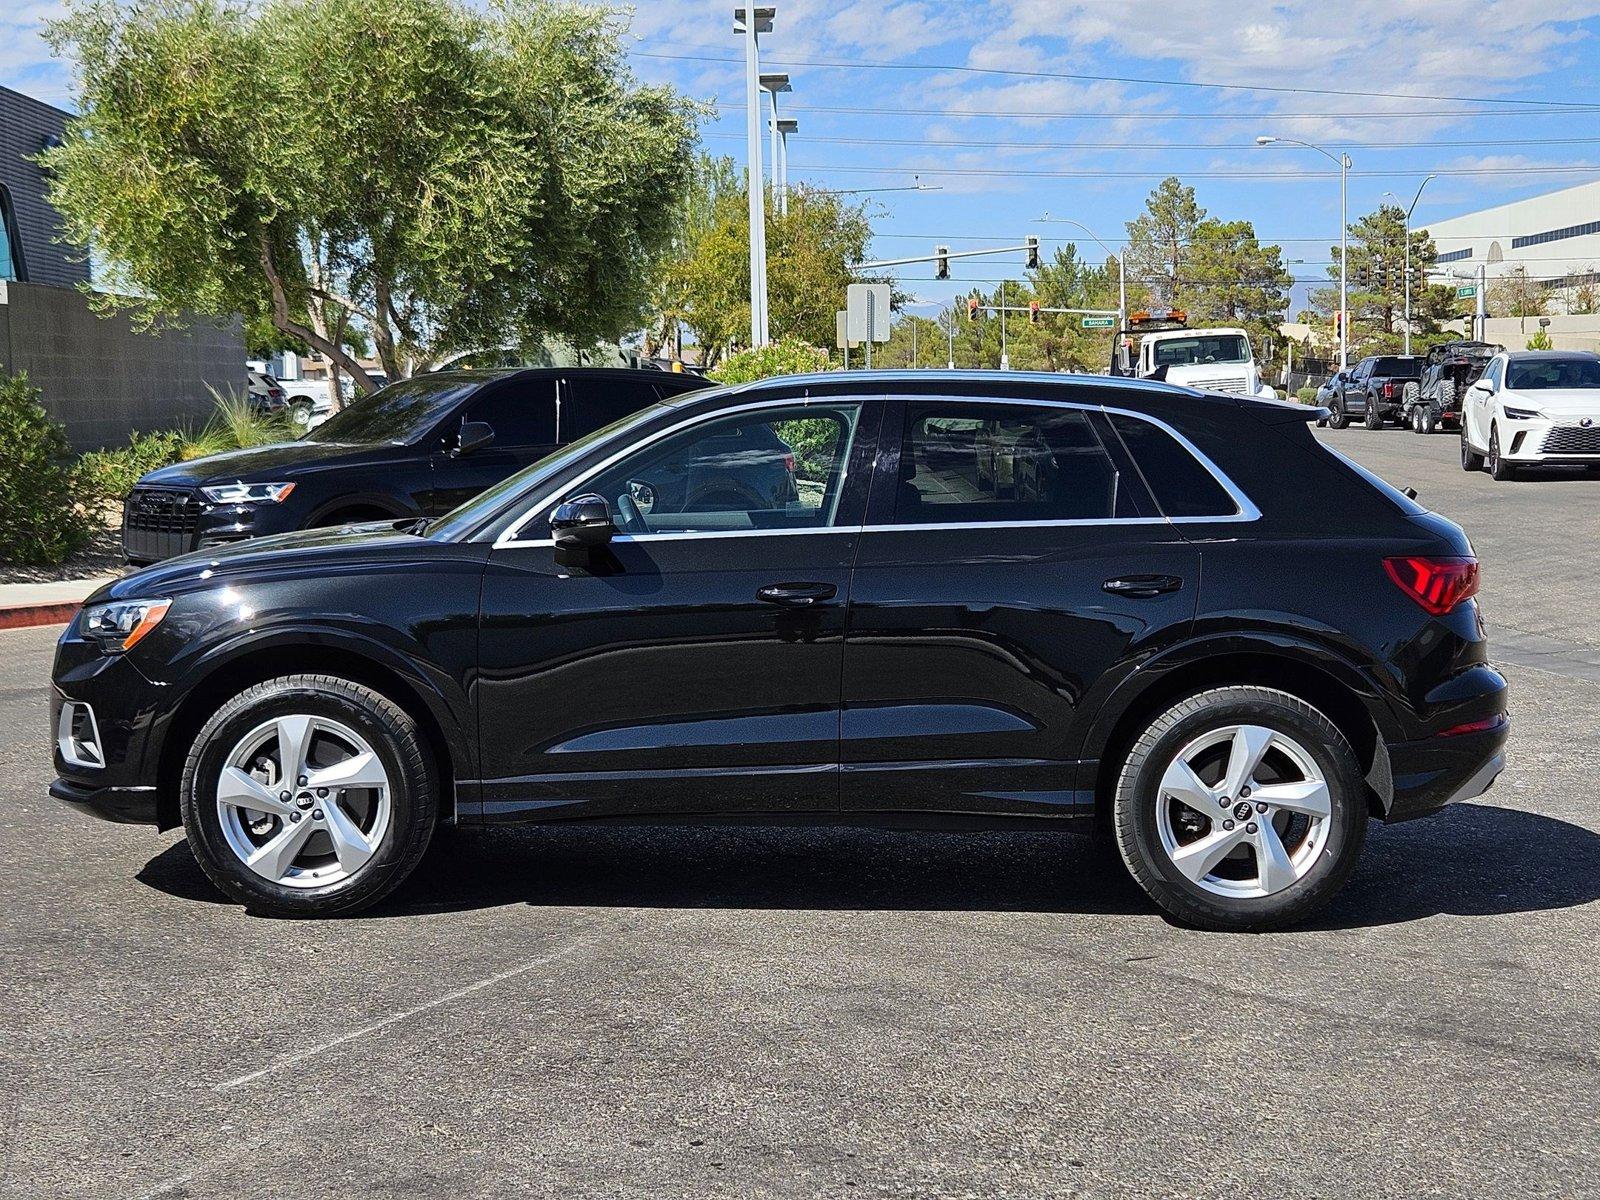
1471 860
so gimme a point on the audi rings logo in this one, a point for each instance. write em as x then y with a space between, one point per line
1586 422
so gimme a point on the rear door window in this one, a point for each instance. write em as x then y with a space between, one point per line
1181 483
591 403
964 462
521 413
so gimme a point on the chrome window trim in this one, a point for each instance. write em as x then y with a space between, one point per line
1245 510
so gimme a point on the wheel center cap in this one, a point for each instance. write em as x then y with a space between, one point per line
303 800
1242 810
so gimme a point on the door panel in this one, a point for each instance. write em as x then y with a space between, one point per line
696 671
971 645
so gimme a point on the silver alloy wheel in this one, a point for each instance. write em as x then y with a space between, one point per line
1243 811
303 801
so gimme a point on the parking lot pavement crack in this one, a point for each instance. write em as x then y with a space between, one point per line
395 1018
1215 989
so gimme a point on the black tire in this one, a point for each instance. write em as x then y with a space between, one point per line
1374 418
1137 795
395 740
1415 419
1499 469
1471 460
1337 417
1427 419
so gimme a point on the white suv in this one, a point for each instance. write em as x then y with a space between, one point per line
1531 407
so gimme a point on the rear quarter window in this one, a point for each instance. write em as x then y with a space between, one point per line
1181 484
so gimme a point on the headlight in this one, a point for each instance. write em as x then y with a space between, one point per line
248 493
121 624
1523 414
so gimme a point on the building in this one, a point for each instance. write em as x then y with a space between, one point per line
1553 240
98 376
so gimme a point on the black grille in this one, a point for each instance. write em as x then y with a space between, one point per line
1572 439
158 523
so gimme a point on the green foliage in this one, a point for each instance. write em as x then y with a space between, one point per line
1306 395
104 477
459 177
1540 340
1234 280
790 356
235 425
706 280
39 523
1376 283
1158 240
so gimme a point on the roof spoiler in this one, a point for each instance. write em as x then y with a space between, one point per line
1283 412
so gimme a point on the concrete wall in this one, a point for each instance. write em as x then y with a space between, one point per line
25 123
103 380
1566 332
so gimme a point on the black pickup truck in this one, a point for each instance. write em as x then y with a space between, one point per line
1372 390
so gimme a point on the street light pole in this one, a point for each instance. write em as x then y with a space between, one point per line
1344 165
785 127
773 84
1409 211
1005 359
1122 273
751 21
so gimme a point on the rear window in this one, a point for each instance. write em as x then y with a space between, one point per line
1182 485
1403 368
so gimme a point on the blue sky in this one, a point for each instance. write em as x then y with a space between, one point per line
1075 142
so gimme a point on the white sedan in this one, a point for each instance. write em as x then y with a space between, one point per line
1532 407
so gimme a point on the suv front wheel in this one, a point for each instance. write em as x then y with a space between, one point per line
309 796
1241 808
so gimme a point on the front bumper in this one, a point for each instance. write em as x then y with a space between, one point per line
162 523
122 805
1549 440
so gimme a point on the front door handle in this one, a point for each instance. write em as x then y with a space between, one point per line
1142 585
796 595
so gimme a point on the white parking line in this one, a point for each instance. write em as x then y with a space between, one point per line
289 1060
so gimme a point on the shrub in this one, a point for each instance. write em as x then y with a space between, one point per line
791 356
39 523
106 476
233 425
1306 395
1540 340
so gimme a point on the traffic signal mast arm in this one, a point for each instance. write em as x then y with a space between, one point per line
1031 246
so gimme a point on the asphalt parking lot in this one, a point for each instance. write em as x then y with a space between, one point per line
664 1012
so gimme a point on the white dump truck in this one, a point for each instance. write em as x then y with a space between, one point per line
1159 344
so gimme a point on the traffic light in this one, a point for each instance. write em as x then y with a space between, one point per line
1033 253
1380 271
941 264
1338 321
1033 312
972 308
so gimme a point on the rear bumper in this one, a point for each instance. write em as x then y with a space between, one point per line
1430 774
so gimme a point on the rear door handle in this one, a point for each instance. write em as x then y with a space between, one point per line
796 595
1142 585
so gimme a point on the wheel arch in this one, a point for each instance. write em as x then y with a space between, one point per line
268 659
1333 687
389 505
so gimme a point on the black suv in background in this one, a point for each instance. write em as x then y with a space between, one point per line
1372 390
1138 629
416 448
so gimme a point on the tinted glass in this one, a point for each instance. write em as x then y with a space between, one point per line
399 413
1182 485
997 462
771 469
520 413
1534 374
591 403
1399 367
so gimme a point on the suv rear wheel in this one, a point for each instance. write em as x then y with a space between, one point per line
1241 808
1471 460
1337 417
309 795
1374 417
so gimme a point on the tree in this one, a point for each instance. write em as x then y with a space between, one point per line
1517 294
707 279
1158 241
1232 279
1376 280
1584 295
446 179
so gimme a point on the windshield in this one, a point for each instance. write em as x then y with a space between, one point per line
474 512
399 413
1212 348
1536 374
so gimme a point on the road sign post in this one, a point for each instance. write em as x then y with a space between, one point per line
1099 322
867 314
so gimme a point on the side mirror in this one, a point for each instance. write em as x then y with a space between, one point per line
474 435
581 524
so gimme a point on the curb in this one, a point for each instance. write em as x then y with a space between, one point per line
26 616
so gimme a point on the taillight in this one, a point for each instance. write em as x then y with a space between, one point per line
1480 726
1438 584
1388 391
